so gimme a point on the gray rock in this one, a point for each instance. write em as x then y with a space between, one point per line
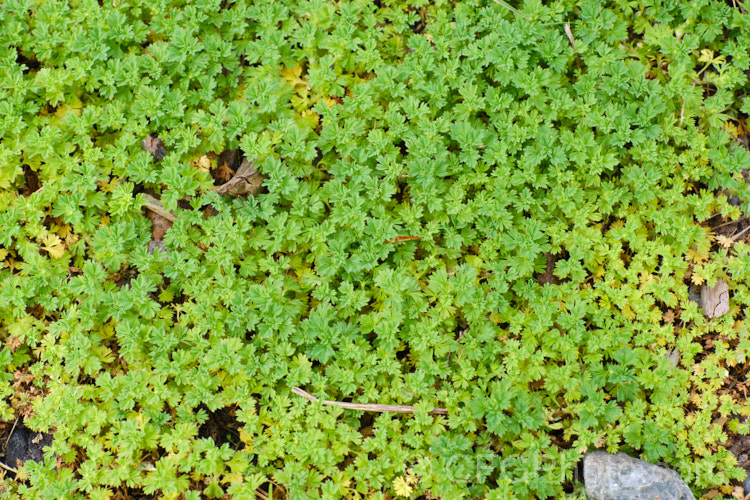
715 299
154 146
746 485
621 477
694 295
673 355
154 244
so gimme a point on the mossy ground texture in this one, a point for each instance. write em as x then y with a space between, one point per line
492 208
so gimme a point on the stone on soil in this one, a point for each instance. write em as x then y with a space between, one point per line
620 477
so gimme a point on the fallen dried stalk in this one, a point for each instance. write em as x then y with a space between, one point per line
512 9
682 112
8 468
739 235
11 432
367 407
399 239
569 32
155 206
264 496
736 221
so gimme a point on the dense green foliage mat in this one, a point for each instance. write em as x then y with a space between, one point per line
492 208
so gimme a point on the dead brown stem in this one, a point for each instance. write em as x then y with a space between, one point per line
367 407
155 206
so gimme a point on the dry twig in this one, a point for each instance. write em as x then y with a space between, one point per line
736 221
512 9
738 235
155 206
11 432
8 468
367 407
265 496
569 32
682 112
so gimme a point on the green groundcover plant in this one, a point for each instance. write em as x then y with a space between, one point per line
495 208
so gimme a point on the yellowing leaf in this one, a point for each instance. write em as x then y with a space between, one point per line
696 255
402 487
724 241
203 163
706 55
246 438
474 261
731 128
696 279
53 245
294 77
166 295
599 272
495 318
628 313
109 186
330 101
310 117
65 109
645 277
605 302
654 315
71 239
711 494
64 231
106 355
